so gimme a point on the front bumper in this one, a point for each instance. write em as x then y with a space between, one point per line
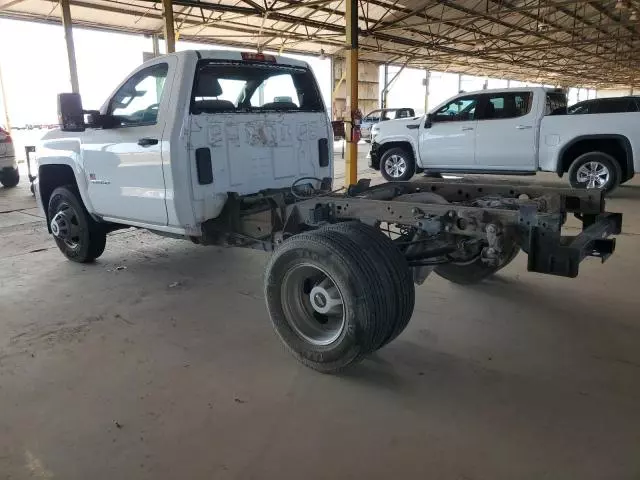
8 163
374 156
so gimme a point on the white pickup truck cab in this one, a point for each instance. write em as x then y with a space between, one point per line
513 131
179 134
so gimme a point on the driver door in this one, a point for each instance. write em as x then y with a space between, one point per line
123 164
450 141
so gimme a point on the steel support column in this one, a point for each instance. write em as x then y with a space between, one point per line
169 30
3 99
383 99
351 158
155 42
427 78
71 49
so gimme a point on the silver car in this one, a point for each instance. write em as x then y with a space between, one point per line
381 115
9 174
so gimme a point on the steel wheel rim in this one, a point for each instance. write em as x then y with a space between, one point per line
66 226
395 166
593 174
313 304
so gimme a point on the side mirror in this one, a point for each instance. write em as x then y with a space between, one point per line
428 123
70 113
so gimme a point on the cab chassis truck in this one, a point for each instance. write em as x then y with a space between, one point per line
173 152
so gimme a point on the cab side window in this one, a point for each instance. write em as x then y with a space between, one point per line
506 105
137 101
459 110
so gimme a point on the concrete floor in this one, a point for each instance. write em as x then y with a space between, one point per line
158 362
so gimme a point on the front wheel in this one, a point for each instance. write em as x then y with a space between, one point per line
397 164
595 170
10 178
78 236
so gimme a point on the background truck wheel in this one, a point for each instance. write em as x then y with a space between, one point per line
77 235
595 170
476 271
388 258
326 301
397 164
10 177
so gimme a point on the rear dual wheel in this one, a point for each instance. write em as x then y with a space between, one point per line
335 295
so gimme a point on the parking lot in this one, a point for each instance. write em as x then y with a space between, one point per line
158 362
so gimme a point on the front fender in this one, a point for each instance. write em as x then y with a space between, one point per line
68 152
400 138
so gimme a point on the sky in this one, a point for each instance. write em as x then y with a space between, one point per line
35 69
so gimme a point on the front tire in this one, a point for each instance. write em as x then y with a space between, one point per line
10 178
595 170
397 165
78 236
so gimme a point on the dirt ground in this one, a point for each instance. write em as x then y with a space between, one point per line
158 362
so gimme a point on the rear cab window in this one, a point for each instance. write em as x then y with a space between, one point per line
244 87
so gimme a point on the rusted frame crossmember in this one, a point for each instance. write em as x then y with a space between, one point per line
432 218
563 199
541 207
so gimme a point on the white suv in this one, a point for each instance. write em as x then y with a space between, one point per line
9 175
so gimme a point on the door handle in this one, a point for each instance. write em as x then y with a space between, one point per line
466 129
147 142
524 127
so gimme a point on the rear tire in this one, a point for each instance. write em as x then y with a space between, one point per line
397 165
327 261
392 267
10 178
595 170
78 236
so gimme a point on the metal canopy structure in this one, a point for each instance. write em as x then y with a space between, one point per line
559 42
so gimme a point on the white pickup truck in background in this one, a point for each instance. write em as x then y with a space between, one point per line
516 131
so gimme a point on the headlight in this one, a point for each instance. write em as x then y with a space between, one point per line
375 129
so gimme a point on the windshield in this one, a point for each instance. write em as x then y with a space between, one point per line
242 87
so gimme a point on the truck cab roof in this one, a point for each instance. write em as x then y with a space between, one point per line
241 56
510 89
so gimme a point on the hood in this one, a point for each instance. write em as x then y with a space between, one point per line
394 125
